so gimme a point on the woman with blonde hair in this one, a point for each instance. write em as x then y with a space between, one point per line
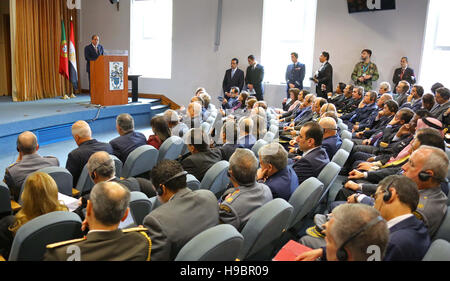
39 197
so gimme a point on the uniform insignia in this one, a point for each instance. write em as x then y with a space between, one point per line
225 208
64 243
418 215
420 206
229 199
134 229
312 231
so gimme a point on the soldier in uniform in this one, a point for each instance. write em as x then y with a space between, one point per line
365 72
28 162
238 203
107 207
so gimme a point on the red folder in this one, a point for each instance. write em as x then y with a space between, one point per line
290 251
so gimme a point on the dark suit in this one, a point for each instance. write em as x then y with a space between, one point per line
228 149
311 164
325 77
80 156
197 164
408 241
332 145
360 115
399 75
91 55
295 74
416 105
236 81
283 183
176 222
255 76
124 145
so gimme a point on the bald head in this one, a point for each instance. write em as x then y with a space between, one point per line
82 130
102 164
109 201
329 126
27 143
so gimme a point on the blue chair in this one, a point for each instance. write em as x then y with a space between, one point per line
340 157
269 137
257 146
171 148
219 243
265 226
192 182
274 129
140 206
347 145
443 231
32 238
216 178
438 251
327 176
140 160
346 134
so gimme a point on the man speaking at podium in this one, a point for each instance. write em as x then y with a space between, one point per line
91 53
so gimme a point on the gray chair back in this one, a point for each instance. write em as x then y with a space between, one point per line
347 145
62 177
342 126
140 206
438 251
32 238
216 178
192 182
219 243
265 226
141 160
257 146
327 176
340 157
269 137
443 231
304 199
171 148
346 134
274 129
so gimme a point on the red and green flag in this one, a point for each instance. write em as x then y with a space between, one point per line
64 58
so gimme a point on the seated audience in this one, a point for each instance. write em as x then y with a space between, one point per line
232 100
331 140
402 89
201 156
293 102
414 100
317 107
428 101
442 103
246 138
338 95
193 118
128 140
106 208
182 215
354 102
161 131
39 197
76 159
314 157
351 230
29 161
229 133
176 127
384 88
238 203
346 99
275 172
388 110
367 109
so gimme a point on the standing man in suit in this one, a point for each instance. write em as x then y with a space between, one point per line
234 77
295 74
324 76
403 73
254 77
183 214
91 53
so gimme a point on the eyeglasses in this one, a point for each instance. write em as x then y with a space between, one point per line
374 196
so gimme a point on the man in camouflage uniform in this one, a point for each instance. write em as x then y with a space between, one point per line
365 72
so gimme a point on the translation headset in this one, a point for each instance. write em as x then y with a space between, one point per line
103 164
241 184
341 253
159 189
388 194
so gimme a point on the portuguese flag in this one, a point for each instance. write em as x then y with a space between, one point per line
73 59
64 58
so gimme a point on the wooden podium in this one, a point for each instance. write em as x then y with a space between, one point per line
109 80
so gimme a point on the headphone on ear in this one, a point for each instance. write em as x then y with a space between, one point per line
424 176
341 253
388 194
159 189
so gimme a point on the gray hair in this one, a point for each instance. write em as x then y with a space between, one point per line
274 154
244 166
102 163
27 143
125 122
437 161
109 203
351 218
386 86
81 129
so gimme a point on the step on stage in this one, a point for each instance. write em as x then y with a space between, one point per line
51 119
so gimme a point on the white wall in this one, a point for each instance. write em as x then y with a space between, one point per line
390 34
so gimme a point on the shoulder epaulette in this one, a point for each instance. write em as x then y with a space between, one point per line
134 229
64 243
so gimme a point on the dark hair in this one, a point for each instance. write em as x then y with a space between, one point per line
406 58
423 113
236 89
373 95
429 100
295 54
245 96
296 92
367 51
160 127
314 131
198 139
251 57
230 129
435 87
392 105
431 137
95 35
322 101
236 60
166 169
406 115
326 55
351 87
342 86
405 187
444 93
419 90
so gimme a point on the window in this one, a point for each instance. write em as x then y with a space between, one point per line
436 51
151 38
288 26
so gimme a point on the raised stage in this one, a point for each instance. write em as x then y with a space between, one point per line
51 119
